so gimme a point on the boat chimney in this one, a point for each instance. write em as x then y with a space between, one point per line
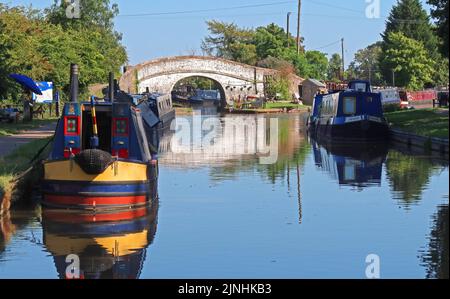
111 87
74 82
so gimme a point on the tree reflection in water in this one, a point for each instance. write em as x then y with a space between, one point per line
409 175
435 259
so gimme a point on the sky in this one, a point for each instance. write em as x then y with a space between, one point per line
151 29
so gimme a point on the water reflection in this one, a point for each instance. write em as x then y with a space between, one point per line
358 165
201 191
409 174
436 257
109 245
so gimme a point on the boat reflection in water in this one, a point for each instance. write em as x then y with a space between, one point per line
109 245
354 164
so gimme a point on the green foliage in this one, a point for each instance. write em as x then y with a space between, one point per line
440 13
409 59
278 87
199 83
409 18
366 63
266 46
93 14
225 39
317 65
43 46
335 68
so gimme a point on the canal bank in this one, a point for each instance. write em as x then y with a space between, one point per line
424 130
20 168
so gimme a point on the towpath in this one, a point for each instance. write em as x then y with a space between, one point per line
10 143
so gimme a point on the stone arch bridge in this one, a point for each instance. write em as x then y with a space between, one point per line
236 79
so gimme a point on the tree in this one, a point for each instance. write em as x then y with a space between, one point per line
265 45
96 24
93 14
318 65
227 40
45 50
409 18
335 68
410 61
271 40
440 13
4 56
366 64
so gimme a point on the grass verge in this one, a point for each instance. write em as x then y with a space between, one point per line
18 161
424 122
282 105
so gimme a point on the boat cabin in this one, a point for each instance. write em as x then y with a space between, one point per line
118 131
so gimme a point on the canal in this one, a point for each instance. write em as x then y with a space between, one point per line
237 201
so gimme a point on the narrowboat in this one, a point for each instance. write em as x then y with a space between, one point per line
354 113
158 109
100 157
205 97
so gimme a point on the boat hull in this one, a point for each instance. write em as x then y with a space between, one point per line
123 184
362 129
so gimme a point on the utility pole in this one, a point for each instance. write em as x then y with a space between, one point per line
343 62
287 28
298 25
393 78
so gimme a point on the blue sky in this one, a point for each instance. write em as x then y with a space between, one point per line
323 23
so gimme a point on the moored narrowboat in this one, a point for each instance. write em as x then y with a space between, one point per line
355 113
100 157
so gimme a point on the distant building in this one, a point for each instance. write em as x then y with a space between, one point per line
309 89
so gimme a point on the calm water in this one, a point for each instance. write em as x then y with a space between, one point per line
317 212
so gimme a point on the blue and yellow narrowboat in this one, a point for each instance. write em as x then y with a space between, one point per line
100 157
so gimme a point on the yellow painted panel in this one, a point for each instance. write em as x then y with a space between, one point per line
118 171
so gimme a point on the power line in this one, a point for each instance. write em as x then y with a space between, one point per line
204 10
328 45
334 6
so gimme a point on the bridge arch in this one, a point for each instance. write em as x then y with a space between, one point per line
207 76
237 79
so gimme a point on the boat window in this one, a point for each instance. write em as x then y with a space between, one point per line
360 87
349 172
349 105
